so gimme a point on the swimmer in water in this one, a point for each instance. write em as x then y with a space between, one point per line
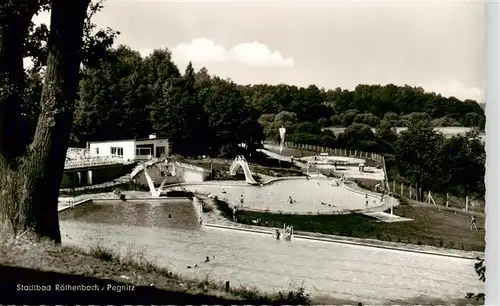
207 259
224 191
277 234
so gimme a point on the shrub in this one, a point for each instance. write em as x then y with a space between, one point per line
205 207
179 194
224 208
298 296
98 251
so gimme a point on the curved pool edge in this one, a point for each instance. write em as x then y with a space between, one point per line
383 206
340 241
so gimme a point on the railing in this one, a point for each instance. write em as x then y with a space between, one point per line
141 167
71 164
66 201
136 170
333 151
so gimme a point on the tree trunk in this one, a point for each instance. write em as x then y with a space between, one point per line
43 164
13 30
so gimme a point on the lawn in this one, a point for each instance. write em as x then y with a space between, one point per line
431 226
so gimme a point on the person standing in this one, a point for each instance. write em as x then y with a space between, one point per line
234 213
473 223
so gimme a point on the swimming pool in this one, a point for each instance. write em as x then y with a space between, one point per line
309 196
368 275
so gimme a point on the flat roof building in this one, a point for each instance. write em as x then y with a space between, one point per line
131 149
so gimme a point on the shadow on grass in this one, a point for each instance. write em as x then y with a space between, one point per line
42 287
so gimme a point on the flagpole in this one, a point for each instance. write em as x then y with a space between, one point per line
282 132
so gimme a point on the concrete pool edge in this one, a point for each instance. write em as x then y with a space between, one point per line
383 206
334 240
68 206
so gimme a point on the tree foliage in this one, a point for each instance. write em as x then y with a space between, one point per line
480 269
36 106
418 154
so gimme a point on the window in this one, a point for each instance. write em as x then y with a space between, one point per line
160 151
117 151
144 149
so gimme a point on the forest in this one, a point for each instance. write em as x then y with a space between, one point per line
128 96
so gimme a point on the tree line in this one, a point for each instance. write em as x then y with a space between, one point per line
81 89
127 96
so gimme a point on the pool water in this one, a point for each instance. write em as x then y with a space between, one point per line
307 195
178 213
361 274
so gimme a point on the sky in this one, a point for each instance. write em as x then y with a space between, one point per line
438 45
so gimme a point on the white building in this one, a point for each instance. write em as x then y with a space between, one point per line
131 149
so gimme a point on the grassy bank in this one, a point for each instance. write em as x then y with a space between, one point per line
128 186
431 226
43 263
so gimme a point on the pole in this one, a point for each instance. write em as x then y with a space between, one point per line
390 203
